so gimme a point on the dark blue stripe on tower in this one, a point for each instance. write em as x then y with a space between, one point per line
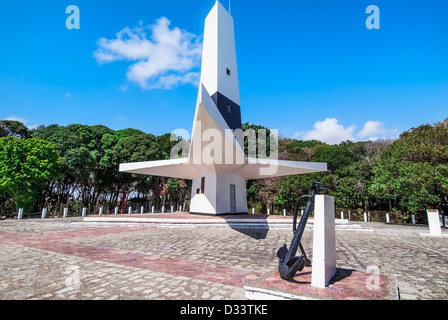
232 115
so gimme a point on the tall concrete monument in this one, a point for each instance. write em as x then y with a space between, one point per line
216 162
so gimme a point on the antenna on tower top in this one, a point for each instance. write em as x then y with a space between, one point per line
230 8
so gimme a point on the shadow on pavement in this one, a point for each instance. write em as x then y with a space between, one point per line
256 227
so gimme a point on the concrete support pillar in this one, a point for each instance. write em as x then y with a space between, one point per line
324 246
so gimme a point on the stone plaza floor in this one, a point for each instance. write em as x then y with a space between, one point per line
61 259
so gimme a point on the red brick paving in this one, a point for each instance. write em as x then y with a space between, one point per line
393 248
349 285
55 242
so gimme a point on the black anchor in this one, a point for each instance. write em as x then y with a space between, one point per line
289 264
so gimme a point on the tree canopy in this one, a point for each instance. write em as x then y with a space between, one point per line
77 165
26 166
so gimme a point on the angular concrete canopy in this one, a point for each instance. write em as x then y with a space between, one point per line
216 162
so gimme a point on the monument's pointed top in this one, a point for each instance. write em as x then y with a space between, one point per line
220 6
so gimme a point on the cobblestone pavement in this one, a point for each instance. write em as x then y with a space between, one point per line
70 259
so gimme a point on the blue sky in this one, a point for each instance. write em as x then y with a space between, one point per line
308 68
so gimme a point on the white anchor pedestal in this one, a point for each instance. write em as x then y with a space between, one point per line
434 224
324 242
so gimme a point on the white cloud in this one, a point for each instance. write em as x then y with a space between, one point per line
372 129
23 120
173 80
162 59
14 118
329 131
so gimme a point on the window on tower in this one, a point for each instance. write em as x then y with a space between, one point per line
203 185
228 71
229 109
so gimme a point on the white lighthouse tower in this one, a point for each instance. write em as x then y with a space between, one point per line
216 163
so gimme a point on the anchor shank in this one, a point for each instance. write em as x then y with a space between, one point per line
300 229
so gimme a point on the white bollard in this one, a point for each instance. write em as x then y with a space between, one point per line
64 213
101 211
115 211
284 212
129 210
172 209
365 217
387 218
342 215
153 209
84 211
163 209
413 219
253 210
324 242
142 209
269 212
20 214
434 223
44 213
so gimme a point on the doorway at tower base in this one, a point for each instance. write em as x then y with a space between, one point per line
222 194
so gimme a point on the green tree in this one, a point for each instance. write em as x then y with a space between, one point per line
253 142
411 174
75 145
26 166
11 128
